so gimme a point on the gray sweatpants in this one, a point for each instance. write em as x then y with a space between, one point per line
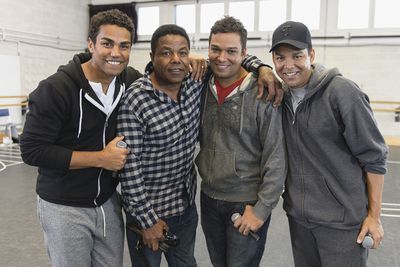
326 247
83 236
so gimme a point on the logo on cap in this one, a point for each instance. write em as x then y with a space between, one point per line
285 30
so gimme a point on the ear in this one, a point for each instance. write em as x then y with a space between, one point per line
312 55
244 52
273 57
90 46
151 56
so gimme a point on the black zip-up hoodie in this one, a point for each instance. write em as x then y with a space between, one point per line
65 115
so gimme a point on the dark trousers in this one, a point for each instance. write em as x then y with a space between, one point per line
226 246
325 247
184 227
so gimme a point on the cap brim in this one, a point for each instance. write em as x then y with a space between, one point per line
297 44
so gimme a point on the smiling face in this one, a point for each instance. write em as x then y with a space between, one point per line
293 65
110 52
226 54
171 60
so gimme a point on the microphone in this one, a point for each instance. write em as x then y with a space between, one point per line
120 144
236 216
368 242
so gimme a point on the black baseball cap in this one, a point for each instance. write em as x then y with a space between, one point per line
292 33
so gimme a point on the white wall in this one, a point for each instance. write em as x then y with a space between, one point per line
43 33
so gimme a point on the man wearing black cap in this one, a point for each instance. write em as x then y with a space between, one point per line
337 157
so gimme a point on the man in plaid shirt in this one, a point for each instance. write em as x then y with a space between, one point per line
159 117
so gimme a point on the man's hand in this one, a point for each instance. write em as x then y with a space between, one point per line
372 223
110 158
373 227
248 221
153 235
266 78
113 157
198 67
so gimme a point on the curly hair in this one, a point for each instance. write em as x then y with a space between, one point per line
229 25
110 17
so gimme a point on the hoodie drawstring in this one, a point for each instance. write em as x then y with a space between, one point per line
80 113
307 111
104 221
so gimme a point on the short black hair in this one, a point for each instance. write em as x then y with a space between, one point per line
228 25
165 30
110 17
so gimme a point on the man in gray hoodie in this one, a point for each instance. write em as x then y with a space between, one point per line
337 157
242 155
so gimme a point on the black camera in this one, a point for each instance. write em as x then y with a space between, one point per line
170 240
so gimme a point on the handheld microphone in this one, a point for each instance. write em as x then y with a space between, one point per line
236 216
120 144
368 242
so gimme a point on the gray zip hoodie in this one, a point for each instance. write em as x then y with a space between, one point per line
242 153
332 140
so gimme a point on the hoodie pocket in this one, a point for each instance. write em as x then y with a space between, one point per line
217 169
320 203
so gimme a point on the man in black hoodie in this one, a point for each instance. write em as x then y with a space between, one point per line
70 135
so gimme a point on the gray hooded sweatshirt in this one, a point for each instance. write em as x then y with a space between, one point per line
332 141
242 152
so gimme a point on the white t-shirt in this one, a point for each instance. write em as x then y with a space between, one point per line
106 99
297 96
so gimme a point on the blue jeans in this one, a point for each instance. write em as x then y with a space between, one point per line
226 246
184 227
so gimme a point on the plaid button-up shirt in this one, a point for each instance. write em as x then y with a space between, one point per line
159 178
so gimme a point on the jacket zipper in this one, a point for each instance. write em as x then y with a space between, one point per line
293 113
101 170
100 107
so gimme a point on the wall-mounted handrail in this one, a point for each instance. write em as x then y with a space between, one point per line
386 109
13 96
14 105
385 102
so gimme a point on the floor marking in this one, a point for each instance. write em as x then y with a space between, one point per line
14 163
390 209
11 161
390 215
391 204
2 166
10 156
11 153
